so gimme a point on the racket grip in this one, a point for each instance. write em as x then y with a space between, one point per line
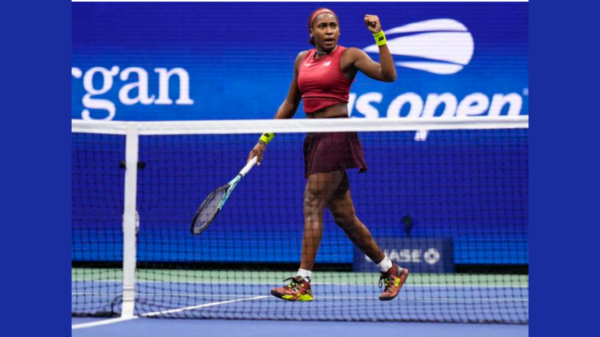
248 166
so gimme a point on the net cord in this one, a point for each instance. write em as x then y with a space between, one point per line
298 125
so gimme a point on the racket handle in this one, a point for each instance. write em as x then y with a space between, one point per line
248 166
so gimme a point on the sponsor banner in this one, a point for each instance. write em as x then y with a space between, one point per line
419 255
172 61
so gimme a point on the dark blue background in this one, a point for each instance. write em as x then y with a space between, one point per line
35 170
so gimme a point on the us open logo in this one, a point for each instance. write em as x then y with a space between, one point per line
438 46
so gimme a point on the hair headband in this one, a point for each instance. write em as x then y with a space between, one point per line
319 12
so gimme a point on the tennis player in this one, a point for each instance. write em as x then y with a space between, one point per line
322 79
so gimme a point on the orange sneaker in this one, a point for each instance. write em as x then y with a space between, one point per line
393 281
298 290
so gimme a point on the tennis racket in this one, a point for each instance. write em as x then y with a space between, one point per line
212 205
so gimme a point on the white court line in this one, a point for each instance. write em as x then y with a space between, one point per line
200 306
123 319
103 322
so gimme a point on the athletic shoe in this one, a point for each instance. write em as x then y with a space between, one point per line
297 290
393 281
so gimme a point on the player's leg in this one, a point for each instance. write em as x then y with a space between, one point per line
341 206
319 188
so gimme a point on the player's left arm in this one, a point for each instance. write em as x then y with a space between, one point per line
385 70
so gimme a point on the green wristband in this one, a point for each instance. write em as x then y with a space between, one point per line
266 138
380 38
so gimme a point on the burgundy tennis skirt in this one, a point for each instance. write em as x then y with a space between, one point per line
335 151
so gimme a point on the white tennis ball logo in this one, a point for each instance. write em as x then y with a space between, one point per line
438 46
431 256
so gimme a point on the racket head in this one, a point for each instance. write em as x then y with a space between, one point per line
208 211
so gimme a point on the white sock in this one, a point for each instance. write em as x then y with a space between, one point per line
305 274
385 265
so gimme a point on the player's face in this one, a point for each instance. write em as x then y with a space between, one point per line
326 31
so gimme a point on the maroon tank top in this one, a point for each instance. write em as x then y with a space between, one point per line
322 82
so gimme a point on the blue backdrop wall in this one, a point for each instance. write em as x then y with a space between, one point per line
190 61
201 61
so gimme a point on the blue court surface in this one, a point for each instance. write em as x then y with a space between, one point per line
149 327
253 308
359 302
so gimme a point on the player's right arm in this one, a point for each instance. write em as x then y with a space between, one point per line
286 110
289 107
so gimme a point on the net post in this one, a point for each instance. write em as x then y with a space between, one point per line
129 221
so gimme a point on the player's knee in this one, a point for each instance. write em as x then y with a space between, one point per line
313 203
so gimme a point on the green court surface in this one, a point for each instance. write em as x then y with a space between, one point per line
276 277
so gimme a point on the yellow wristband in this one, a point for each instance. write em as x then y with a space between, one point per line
266 138
380 38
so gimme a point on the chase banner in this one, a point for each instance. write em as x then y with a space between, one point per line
420 255
206 61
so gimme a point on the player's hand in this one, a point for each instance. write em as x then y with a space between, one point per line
257 152
373 24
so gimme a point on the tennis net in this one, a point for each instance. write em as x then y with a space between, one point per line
445 198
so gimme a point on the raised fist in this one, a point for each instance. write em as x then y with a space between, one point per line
373 24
